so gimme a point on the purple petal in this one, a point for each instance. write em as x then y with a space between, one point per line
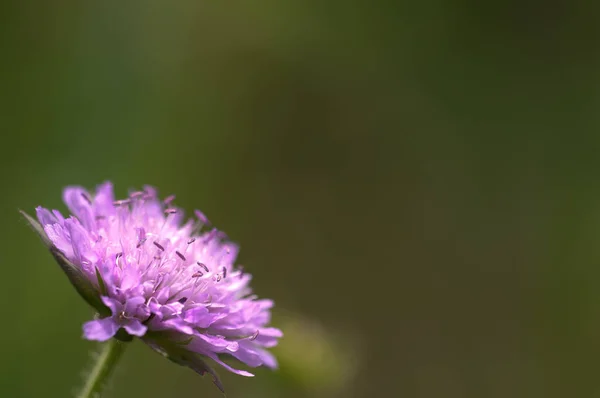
215 358
79 203
212 343
104 199
135 327
115 306
268 337
130 278
254 356
45 217
100 329
268 359
248 355
82 249
180 325
199 317
133 303
61 239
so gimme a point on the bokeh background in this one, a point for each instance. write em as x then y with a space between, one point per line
415 183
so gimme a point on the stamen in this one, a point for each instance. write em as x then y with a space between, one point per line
137 194
191 241
197 275
218 278
181 256
122 202
182 300
86 197
203 219
169 199
210 235
141 242
170 211
159 246
254 336
202 265
224 272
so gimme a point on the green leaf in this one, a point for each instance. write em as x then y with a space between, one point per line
80 282
176 352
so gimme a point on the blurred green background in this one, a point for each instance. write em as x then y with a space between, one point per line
414 183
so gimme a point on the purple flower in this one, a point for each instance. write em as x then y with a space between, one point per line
153 276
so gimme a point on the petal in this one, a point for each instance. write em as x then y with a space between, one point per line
247 354
171 309
79 203
133 303
211 343
115 305
58 216
100 329
82 243
135 327
268 359
271 332
130 278
45 217
104 200
180 325
59 236
199 317
268 337
215 358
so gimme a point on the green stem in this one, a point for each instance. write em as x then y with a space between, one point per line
105 363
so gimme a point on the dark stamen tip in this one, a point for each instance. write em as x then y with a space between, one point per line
86 197
181 256
182 300
137 194
122 202
202 265
203 219
159 246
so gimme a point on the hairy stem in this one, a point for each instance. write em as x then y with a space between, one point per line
105 363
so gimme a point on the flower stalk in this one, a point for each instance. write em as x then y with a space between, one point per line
106 360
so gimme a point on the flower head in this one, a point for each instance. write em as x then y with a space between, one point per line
171 283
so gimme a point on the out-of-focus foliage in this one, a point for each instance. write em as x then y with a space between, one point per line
319 362
419 179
